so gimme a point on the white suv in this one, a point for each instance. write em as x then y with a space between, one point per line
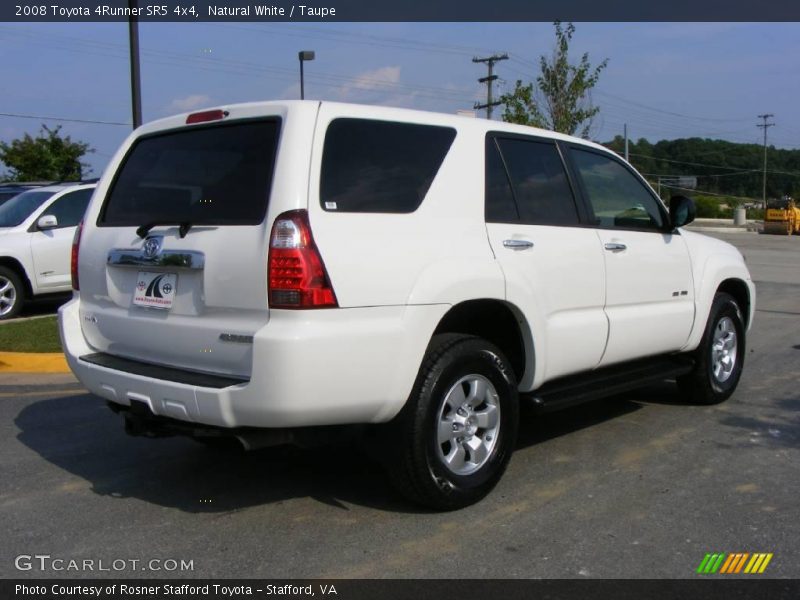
275 271
36 231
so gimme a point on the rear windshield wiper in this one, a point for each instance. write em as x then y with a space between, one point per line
183 228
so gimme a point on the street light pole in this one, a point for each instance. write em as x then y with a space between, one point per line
136 92
304 55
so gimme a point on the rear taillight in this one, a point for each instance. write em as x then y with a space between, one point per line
73 263
297 276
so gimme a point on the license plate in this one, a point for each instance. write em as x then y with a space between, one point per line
155 290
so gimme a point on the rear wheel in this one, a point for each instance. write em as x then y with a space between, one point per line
455 436
720 356
11 293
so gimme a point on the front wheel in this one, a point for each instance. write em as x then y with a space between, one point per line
455 436
11 293
720 356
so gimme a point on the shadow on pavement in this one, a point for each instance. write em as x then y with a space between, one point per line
45 306
82 436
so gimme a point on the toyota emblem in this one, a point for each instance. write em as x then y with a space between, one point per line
152 246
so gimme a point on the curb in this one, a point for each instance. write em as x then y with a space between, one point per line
707 229
29 362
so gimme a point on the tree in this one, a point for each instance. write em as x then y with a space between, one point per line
560 100
45 157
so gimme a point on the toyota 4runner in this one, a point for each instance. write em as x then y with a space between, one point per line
272 271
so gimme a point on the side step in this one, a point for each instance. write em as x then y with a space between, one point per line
569 391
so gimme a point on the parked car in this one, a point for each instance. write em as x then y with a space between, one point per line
11 189
278 271
36 231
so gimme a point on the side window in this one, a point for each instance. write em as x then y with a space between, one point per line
500 205
380 166
539 182
69 209
618 198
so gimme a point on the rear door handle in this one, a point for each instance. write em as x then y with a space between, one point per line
615 247
517 244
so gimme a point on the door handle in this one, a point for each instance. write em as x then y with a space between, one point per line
517 244
615 247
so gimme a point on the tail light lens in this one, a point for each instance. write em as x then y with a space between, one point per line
76 242
205 116
297 276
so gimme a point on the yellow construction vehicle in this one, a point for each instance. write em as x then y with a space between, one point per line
782 217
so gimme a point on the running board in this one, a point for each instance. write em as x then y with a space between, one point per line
608 381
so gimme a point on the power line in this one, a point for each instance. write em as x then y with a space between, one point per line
65 120
738 173
738 170
667 112
676 187
364 39
683 162
167 58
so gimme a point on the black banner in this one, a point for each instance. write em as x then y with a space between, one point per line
408 10
402 589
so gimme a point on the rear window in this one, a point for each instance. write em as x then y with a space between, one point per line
380 166
218 175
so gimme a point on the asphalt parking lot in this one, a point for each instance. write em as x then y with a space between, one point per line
639 486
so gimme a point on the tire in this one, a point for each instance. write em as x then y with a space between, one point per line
456 434
12 293
720 355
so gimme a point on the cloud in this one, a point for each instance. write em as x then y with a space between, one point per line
293 93
189 102
383 79
371 80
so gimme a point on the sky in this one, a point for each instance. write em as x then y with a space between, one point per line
664 80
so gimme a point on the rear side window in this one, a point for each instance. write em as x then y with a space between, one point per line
380 166
538 182
500 204
218 175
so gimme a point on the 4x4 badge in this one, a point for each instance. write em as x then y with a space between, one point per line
152 246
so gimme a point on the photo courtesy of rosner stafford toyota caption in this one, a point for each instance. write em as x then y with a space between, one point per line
360 301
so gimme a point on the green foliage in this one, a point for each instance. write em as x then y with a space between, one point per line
45 157
721 167
708 207
560 99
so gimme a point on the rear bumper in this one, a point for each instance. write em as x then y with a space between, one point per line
310 368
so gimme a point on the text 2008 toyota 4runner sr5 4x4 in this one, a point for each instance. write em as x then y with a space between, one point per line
272 270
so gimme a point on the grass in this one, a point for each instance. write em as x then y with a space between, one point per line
32 335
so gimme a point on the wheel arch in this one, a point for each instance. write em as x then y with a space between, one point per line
16 266
498 322
741 293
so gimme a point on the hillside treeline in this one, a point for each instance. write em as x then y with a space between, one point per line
720 167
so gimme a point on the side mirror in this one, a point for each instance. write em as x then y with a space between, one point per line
47 222
681 211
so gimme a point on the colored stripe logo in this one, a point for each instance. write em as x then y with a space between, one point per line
732 563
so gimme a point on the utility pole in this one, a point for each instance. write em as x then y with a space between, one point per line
625 126
136 91
764 126
490 102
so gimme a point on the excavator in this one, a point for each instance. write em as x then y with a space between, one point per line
782 217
